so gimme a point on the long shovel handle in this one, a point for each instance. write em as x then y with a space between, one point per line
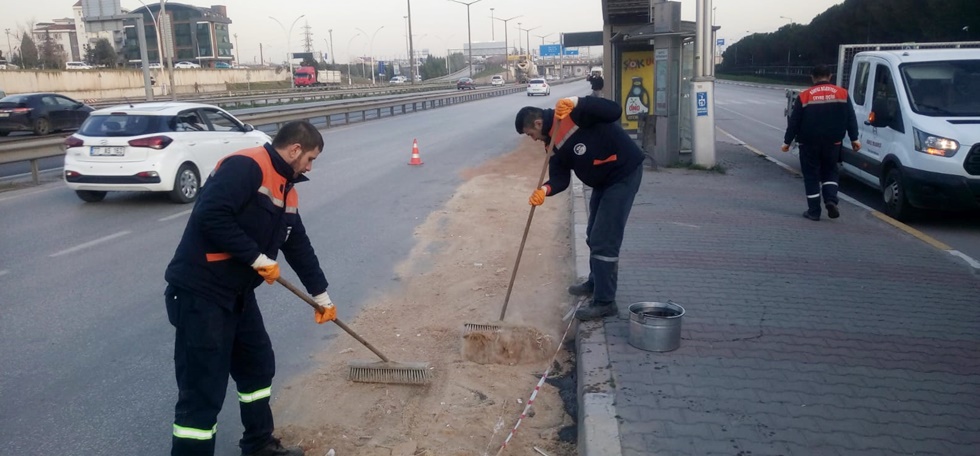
527 227
312 303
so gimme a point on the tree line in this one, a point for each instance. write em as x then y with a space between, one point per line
856 22
47 55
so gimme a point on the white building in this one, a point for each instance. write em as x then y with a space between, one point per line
62 33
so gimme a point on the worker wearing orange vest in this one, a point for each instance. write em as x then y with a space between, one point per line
247 212
587 138
821 116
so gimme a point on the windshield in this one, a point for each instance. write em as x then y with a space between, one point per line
943 89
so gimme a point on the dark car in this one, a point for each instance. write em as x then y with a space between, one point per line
41 113
465 83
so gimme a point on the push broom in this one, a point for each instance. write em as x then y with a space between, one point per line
385 371
494 328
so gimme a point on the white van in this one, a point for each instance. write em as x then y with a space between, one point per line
918 114
77 66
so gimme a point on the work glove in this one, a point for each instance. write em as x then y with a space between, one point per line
537 198
565 106
329 311
785 148
267 268
855 145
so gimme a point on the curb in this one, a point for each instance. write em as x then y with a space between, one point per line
598 427
935 243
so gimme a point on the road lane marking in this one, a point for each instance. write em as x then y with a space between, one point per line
28 193
754 120
90 244
881 216
177 215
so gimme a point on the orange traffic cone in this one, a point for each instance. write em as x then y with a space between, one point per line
416 160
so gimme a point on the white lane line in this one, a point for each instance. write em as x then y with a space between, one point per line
177 215
973 263
28 193
4 272
754 120
90 244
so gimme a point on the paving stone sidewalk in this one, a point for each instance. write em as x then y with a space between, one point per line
837 337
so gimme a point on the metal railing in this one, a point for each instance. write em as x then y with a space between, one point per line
36 149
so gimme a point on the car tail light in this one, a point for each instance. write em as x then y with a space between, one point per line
72 174
72 141
19 110
153 142
148 174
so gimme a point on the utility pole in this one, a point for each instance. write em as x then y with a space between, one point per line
10 50
492 26
261 55
411 44
703 86
469 34
307 37
167 33
333 60
238 52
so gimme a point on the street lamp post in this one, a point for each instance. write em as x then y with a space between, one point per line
469 34
156 25
289 34
371 49
10 50
530 57
238 52
333 60
411 44
492 27
351 40
506 44
788 49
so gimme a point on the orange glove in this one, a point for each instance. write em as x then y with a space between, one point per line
537 198
267 268
327 311
565 106
855 145
785 148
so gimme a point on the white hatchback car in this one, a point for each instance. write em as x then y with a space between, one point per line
497 80
186 65
158 147
538 87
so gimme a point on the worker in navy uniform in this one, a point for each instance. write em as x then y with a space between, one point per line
587 138
821 116
248 212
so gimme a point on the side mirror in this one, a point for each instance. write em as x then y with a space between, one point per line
248 128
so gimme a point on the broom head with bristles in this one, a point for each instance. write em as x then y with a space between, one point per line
390 372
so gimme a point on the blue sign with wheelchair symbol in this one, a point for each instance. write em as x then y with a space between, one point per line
702 99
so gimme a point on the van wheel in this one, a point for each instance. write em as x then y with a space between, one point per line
187 185
896 201
90 196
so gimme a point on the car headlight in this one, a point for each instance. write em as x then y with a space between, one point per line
931 144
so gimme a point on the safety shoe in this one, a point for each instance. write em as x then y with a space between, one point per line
275 448
807 214
582 289
832 211
597 310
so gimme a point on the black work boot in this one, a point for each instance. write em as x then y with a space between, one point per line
811 216
832 210
582 289
275 448
597 310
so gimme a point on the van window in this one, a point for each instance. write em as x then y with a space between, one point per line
884 103
861 91
943 88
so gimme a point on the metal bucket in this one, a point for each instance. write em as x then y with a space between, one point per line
655 326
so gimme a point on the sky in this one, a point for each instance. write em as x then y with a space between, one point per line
437 25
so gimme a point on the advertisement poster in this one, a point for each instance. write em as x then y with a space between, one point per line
637 86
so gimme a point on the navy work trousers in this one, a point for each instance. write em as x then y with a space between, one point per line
214 340
820 175
609 209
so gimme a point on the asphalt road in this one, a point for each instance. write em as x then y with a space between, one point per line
754 115
87 358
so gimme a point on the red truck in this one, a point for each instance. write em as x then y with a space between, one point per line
307 76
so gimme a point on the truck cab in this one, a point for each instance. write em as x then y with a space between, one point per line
918 114
304 76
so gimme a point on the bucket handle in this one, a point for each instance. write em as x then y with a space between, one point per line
641 317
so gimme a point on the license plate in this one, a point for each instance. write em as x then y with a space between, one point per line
108 151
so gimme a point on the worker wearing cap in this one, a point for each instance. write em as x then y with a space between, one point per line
821 116
587 138
247 212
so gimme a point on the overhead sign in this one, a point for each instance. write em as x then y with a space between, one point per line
721 41
381 68
549 50
571 51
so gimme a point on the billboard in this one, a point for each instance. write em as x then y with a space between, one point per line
92 9
637 84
